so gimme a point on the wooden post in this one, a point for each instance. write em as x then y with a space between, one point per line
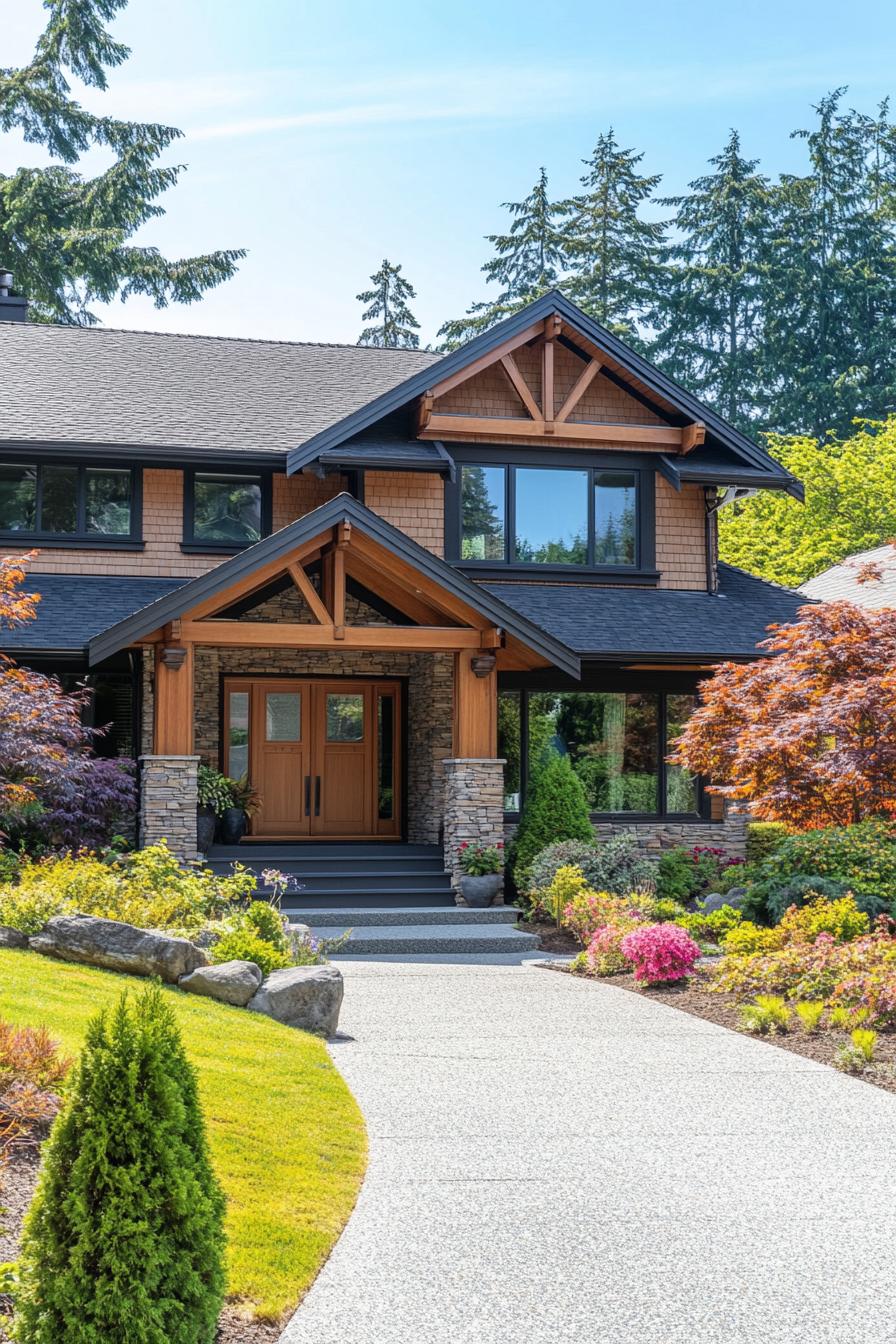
173 700
475 707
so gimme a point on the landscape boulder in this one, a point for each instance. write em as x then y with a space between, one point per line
308 997
11 937
118 947
232 982
715 900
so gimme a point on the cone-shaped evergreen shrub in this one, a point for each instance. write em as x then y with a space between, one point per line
556 809
124 1241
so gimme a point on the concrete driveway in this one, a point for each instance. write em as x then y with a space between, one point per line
553 1160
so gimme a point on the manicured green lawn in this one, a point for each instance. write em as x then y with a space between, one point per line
287 1138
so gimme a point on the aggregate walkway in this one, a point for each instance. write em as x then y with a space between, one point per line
553 1160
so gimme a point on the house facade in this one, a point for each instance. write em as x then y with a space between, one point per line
384 584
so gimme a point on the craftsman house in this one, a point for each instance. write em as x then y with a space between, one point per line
385 584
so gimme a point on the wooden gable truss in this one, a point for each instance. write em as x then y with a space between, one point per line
543 420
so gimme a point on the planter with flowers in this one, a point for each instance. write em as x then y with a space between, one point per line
483 872
215 796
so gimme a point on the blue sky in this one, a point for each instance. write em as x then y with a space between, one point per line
324 136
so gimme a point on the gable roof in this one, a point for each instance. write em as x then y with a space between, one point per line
342 509
846 583
670 396
106 388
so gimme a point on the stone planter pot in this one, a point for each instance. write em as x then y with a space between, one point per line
206 821
481 891
234 824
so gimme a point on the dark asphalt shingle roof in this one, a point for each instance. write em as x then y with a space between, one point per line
98 385
75 607
605 622
595 621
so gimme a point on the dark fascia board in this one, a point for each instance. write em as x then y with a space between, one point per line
342 508
377 457
220 458
678 473
552 302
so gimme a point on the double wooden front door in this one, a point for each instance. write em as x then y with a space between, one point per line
323 756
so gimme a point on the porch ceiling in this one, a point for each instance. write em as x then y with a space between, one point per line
445 610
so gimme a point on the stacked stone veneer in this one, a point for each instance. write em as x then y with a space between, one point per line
474 807
655 836
168 799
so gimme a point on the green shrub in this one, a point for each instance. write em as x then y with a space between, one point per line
763 839
124 1240
768 1015
617 865
861 857
858 1053
676 875
774 896
556 809
810 1014
245 944
262 918
711 926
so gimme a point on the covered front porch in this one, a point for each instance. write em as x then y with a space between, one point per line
350 674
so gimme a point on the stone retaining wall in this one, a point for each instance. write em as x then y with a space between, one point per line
168 798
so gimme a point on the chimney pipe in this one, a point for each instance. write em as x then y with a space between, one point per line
13 307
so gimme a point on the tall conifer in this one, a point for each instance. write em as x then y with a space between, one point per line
528 260
391 321
66 237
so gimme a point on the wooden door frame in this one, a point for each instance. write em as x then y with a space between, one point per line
402 738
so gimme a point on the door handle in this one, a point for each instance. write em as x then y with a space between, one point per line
317 795
307 795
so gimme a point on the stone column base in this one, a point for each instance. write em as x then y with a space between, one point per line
168 800
474 808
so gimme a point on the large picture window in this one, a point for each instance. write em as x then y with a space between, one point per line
549 516
224 511
617 743
56 501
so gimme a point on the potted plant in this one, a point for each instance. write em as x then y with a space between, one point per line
483 869
214 797
235 818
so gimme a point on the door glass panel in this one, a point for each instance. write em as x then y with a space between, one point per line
283 716
509 747
385 738
238 734
345 718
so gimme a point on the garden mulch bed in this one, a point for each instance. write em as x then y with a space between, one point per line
552 939
17 1182
723 1009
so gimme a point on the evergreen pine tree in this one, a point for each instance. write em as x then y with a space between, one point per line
528 261
393 322
830 280
124 1239
708 315
614 255
65 236
556 809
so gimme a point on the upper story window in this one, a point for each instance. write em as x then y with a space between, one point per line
226 511
52 501
533 515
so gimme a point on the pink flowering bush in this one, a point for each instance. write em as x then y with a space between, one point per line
587 912
660 953
603 955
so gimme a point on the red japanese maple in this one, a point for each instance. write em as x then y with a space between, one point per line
807 736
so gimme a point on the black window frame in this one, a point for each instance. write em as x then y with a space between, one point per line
642 572
511 684
193 545
80 539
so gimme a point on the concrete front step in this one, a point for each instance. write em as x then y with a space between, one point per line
404 940
347 916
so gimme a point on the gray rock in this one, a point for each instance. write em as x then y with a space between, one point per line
308 997
11 937
232 982
299 930
118 947
715 900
